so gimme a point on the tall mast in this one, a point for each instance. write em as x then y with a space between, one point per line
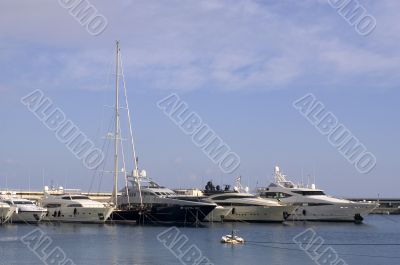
116 134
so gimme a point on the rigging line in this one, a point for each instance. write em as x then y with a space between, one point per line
130 129
107 83
123 161
106 141
339 254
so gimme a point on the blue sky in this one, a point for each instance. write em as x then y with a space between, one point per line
238 64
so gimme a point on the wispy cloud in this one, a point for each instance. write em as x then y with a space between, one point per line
224 45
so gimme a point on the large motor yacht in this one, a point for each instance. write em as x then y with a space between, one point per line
313 204
65 206
26 211
243 206
147 202
6 211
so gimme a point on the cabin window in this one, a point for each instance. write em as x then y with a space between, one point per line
309 192
52 205
77 205
23 202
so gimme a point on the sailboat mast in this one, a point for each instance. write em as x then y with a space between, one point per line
116 134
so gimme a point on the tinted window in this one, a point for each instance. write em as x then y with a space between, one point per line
52 205
23 202
80 197
225 197
309 192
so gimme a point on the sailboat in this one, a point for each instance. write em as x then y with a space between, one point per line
142 199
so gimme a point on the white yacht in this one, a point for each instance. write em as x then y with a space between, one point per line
243 206
147 202
64 206
6 211
26 210
313 204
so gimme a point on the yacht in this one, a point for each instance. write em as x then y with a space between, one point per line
6 211
64 206
147 202
313 204
243 206
142 200
26 210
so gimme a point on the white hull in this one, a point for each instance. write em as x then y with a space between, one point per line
5 213
81 215
338 213
258 213
27 216
218 214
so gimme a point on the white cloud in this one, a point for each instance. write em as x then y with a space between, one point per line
179 45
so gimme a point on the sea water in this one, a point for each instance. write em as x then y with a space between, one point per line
376 241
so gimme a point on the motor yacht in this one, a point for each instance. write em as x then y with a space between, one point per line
64 206
313 204
148 202
26 210
243 206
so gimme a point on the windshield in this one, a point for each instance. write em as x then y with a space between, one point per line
23 202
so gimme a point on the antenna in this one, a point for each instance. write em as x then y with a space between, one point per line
43 177
314 175
302 176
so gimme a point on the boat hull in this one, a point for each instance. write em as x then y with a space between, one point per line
6 212
218 214
175 214
332 213
78 215
28 216
259 213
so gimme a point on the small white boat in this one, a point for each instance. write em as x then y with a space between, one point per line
232 239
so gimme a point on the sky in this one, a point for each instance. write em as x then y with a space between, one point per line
239 65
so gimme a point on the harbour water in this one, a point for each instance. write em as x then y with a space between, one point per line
376 241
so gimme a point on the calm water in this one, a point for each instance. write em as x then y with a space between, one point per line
130 244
